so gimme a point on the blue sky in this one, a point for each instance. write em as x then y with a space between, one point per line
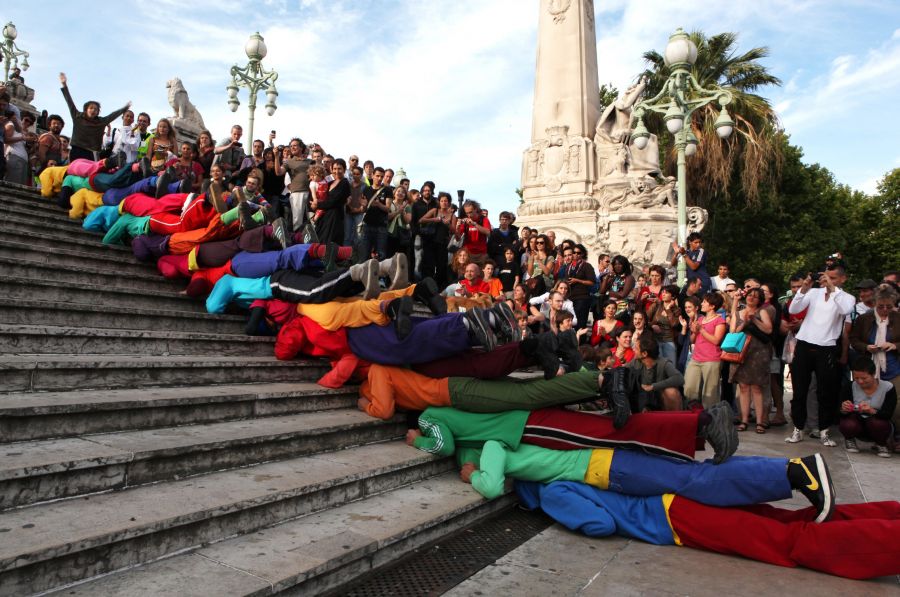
444 88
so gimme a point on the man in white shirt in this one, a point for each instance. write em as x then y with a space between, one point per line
720 281
818 349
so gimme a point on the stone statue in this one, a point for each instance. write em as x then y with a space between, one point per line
187 120
614 125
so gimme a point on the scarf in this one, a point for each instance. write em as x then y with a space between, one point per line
880 357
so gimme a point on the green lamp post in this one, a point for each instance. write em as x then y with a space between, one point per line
11 51
255 78
680 96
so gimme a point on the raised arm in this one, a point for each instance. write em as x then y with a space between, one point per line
73 111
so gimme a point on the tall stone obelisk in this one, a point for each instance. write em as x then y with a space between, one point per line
582 176
559 168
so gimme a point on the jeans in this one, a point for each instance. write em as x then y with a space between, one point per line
351 223
668 351
376 236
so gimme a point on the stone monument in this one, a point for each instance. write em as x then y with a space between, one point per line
187 121
582 176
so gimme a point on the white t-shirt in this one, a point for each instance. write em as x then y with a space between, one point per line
720 283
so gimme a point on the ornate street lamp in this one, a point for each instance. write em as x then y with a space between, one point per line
679 98
11 51
255 78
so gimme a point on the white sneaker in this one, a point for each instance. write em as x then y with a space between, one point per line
850 446
814 433
796 436
883 451
826 441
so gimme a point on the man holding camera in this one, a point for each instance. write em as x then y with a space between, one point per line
231 154
817 348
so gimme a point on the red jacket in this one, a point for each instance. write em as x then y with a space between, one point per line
304 336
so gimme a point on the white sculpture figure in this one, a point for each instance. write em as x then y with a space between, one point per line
186 113
614 127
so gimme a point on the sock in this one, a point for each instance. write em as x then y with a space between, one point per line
703 419
318 250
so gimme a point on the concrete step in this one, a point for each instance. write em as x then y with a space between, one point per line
48 339
111 298
38 232
37 373
43 415
312 554
53 544
90 273
56 256
32 472
39 209
38 312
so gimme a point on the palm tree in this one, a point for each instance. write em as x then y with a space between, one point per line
752 154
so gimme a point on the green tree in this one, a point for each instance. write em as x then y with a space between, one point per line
608 94
752 153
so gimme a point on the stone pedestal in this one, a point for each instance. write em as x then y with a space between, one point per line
21 96
582 176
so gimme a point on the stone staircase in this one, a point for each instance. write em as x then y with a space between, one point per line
148 448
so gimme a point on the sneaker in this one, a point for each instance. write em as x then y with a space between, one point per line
427 293
795 437
479 329
280 234
237 196
618 394
146 168
826 441
810 477
164 180
398 272
851 446
330 258
506 322
883 451
721 434
399 310
815 433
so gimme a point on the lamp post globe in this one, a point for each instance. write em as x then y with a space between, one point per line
10 32
680 52
256 47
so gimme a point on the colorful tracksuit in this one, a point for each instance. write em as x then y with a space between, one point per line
446 429
389 387
740 480
858 542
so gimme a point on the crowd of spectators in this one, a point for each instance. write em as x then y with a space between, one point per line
840 350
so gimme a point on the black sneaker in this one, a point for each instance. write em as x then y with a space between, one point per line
427 293
187 183
506 321
479 330
721 433
810 476
163 181
618 396
280 234
330 260
399 310
257 315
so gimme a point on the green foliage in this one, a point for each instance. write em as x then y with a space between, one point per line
608 94
751 153
809 216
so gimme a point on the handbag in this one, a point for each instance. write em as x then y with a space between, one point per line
734 342
790 345
736 357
